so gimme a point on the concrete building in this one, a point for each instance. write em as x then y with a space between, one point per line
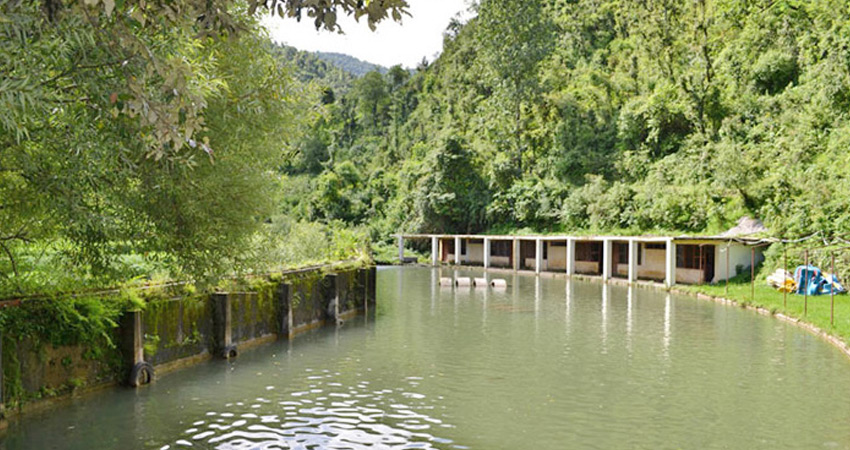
671 260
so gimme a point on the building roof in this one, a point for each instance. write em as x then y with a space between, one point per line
746 226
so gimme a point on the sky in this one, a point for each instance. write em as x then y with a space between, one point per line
392 43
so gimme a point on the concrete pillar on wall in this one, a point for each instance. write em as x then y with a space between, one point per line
331 297
284 310
634 248
486 252
606 258
670 272
571 256
435 250
515 247
400 249
538 255
2 412
133 349
373 286
222 326
458 246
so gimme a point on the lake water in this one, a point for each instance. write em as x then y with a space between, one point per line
543 364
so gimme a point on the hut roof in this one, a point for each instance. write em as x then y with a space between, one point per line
746 226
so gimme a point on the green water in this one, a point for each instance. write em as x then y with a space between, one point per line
544 364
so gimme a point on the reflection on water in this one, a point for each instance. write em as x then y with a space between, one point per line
544 364
667 302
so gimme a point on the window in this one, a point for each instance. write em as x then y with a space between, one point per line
623 253
588 251
463 246
545 250
688 256
500 248
655 246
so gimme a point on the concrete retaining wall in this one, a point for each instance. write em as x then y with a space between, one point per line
181 331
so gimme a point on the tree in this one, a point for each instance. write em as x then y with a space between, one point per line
515 36
154 126
450 195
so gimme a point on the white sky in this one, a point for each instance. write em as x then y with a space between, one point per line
392 43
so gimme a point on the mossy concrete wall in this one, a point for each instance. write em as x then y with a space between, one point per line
182 330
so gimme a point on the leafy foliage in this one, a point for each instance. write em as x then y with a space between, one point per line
610 115
145 137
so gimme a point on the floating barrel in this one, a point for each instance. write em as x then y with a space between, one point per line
499 283
463 281
445 281
480 282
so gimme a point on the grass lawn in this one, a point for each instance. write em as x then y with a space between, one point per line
818 312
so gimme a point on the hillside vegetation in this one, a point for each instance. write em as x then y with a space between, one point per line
591 115
142 145
350 64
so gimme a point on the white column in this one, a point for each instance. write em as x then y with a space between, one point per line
538 255
670 278
606 259
571 256
435 250
457 250
486 252
634 248
516 253
400 249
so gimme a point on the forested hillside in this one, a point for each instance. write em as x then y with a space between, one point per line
348 63
142 144
595 115
309 68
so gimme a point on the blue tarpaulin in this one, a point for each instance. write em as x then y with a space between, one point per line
810 280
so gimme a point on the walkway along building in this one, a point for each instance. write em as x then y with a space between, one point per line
671 260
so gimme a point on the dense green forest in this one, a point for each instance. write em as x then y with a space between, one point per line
143 141
597 116
174 140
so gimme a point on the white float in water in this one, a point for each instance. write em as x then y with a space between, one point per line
445 281
499 283
480 282
463 281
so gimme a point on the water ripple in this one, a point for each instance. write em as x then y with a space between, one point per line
354 418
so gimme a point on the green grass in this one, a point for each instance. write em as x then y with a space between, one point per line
817 314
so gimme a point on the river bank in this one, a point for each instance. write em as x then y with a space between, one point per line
44 363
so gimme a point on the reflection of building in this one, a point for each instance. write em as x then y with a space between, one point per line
683 259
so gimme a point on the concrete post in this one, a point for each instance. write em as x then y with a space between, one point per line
486 252
400 249
538 255
2 411
222 325
435 250
670 273
606 259
331 297
132 346
457 250
372 286
571 256
516 254
284 309
634 248
132 340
